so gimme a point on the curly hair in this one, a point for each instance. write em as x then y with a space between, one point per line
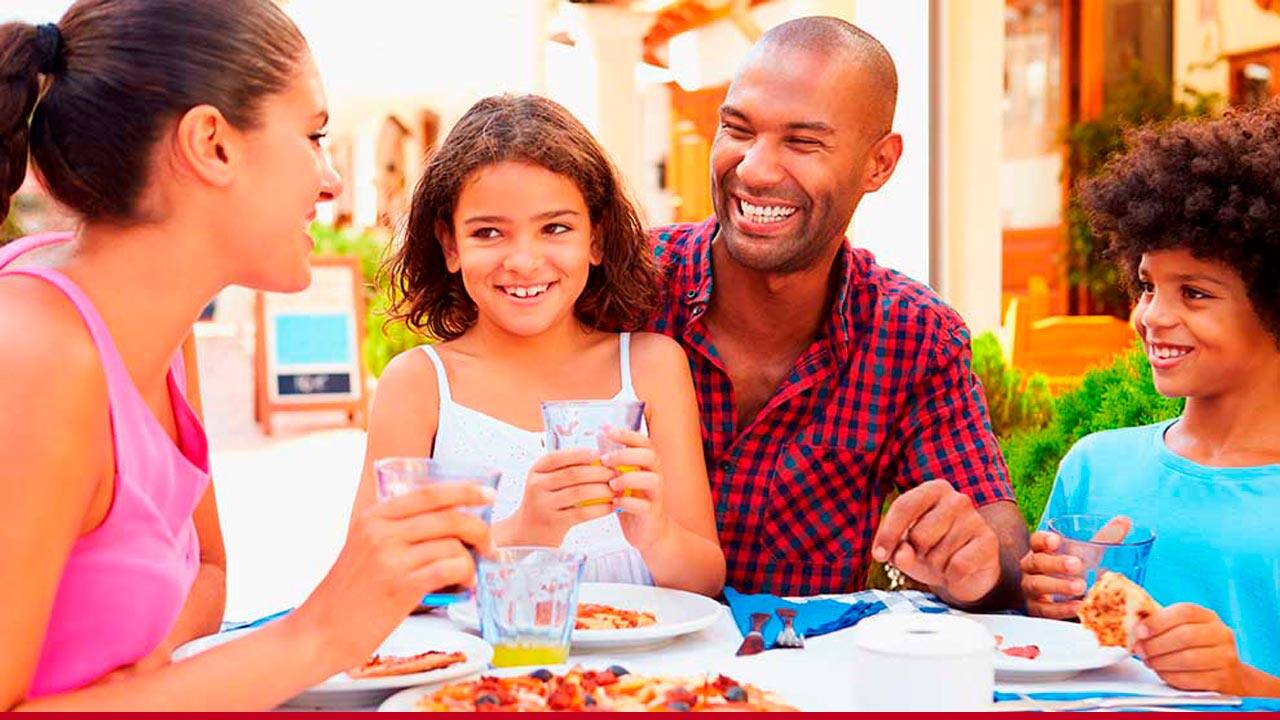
621 292
1211 187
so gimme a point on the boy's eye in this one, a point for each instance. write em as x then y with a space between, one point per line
1191 293
1146 287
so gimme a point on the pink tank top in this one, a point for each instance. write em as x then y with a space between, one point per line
125 581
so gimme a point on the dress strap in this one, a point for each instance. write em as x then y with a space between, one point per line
442 378
624 362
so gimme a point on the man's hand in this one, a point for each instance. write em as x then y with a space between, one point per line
935 535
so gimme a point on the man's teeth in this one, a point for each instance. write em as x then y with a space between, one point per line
766 213
524 291
1168 353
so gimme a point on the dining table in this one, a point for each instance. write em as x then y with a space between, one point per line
820 676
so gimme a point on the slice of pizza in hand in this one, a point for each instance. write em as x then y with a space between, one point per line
1112 609
388 665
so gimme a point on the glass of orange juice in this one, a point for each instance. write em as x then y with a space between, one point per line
571 424
528 599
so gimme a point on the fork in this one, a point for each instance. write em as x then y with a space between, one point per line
787 637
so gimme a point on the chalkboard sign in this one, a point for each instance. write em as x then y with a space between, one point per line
308 344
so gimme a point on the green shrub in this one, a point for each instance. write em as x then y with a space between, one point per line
1115 396
384 339
1015 404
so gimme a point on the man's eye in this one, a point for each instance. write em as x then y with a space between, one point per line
734 131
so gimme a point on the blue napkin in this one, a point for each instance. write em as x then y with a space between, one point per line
1247 704
813 617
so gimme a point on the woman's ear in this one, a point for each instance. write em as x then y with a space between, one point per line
449 246
206 145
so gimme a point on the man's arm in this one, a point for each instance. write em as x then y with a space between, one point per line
955 526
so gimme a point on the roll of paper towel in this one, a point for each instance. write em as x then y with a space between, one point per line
923 662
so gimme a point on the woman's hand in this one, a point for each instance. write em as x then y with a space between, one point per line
564 488
396 552
1190 648
637 489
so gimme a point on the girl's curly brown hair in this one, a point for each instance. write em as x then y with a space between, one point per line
621 292
1208 186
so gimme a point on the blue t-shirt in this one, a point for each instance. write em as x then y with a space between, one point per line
1217 543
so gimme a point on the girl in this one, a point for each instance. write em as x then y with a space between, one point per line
186 134
523 254
1194 217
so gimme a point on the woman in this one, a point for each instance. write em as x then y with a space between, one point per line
186 135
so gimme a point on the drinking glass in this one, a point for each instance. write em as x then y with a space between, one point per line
400 475
528 600
572 424
1102 543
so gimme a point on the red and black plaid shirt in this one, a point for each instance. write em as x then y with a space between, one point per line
884 397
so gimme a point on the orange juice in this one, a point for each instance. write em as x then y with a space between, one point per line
521 654
605 501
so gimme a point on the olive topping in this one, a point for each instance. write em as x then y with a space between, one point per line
542 674
618 670
735 694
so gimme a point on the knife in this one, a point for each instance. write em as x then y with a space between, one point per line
753 643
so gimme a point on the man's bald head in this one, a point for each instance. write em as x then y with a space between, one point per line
846 43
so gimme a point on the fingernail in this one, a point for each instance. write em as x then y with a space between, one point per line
1077 586
1073 564
879 553
1141 631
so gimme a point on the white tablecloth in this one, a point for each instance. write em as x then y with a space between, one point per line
816 678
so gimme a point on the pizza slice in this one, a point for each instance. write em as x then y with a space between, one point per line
1113 607
388 665
606 617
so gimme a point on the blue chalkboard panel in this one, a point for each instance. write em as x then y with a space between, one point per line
313 384
313 339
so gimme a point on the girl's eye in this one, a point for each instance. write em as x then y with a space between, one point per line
556 229
485 233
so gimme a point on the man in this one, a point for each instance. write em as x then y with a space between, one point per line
825 381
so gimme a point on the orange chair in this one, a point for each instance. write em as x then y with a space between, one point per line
1061 347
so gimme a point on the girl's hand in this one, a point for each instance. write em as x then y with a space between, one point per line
564 488
637 489
1190 648
1046 574
396 552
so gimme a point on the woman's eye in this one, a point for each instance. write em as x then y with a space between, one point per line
485 233
318 137
556 229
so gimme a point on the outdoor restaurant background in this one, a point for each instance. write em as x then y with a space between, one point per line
1003 104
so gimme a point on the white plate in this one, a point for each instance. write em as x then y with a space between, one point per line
1065 648
677 612
342 691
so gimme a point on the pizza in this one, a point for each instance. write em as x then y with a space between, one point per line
612 689
606 617
387 665
1113 607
